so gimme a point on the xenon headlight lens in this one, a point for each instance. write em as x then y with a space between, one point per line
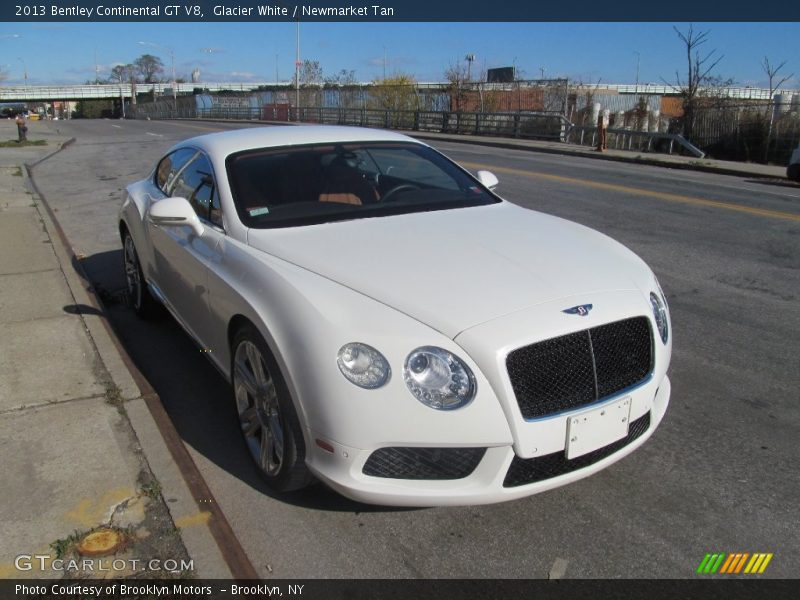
438 378
363 366
660 315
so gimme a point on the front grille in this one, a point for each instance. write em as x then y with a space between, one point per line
573 370
531 470
423 463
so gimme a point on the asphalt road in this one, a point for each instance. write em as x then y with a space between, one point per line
721 473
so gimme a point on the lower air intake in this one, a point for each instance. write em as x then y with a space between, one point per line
423 463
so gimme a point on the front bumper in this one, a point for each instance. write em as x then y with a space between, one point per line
343 469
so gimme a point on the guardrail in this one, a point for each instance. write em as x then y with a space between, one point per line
642 141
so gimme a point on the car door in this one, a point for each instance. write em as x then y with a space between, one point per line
181 256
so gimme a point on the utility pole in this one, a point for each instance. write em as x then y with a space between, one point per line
297 72
638 57
384 63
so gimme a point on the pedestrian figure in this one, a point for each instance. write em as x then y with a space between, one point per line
602 130
22 128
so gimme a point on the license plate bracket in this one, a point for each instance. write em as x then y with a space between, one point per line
598 427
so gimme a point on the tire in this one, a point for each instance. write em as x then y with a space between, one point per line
139 297
270 427
793 172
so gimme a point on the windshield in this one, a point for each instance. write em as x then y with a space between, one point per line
304 185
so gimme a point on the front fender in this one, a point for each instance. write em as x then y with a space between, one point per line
306 318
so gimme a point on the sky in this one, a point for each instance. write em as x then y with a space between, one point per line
610 53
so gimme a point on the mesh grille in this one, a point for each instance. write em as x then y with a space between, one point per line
573 370
531 470
423 463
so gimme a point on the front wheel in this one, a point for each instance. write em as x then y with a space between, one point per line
268 420
136 288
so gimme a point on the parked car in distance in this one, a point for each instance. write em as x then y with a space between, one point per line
793 170
391 326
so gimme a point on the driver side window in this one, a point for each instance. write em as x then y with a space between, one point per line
195 182
170 167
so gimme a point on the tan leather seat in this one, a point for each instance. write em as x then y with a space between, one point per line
345 185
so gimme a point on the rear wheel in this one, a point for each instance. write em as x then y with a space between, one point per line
138 295
268 420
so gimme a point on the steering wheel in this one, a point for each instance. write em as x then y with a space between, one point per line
403 187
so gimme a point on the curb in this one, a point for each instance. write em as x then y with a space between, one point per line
148 419
639 159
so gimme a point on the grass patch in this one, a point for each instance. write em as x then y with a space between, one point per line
17 173
64 546
18 144
151 489
113 394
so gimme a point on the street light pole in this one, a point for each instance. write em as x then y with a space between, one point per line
121 95
174 82
24 71
297 72
470 58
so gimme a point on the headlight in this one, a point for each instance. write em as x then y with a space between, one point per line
363 365
438 378
660 314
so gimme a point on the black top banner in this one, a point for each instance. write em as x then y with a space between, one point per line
399 11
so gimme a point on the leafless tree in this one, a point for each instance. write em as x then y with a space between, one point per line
699 73
458 78
772 72
346 85
311 73
775 82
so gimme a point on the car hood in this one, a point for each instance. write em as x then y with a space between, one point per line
454 269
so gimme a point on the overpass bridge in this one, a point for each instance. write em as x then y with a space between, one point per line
63 93
49 93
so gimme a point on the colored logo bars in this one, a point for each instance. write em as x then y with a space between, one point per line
734 564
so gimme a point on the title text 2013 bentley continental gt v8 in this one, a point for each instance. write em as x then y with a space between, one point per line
391 326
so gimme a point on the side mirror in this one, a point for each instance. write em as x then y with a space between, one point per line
175 212
488 179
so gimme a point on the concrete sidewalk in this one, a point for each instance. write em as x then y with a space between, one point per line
81 452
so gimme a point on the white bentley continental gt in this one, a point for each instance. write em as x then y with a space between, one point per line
388 324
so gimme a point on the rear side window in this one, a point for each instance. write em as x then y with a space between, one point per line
170 166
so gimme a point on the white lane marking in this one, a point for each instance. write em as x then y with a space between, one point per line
155 134
117 126
559 569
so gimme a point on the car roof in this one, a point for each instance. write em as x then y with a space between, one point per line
227 142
